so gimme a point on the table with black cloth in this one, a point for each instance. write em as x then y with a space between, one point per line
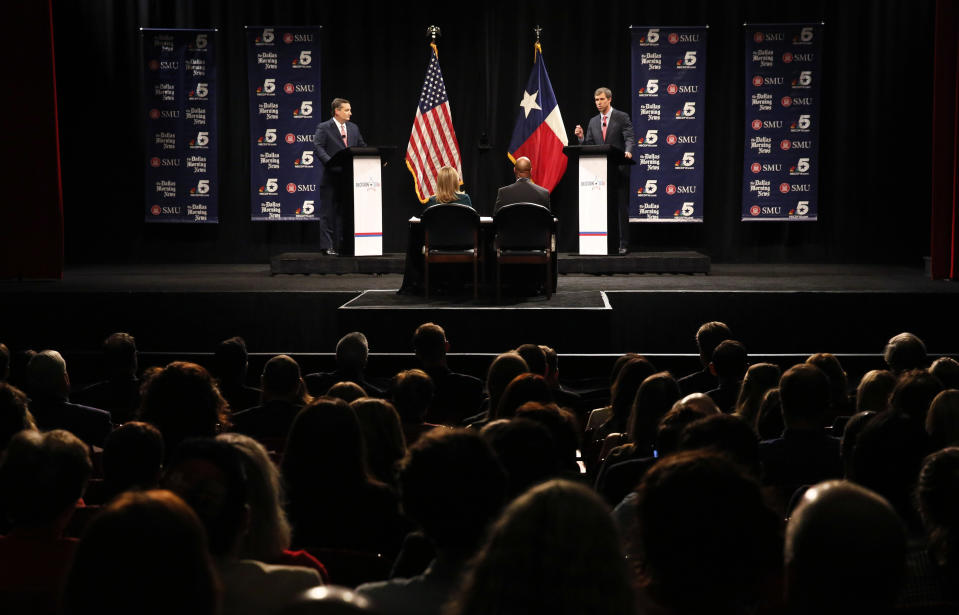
449 279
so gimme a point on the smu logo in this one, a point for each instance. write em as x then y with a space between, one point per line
786 101
155 210
787 57
754 210
290 138
757 124
784 188
755 167
289 88
291 187
672 88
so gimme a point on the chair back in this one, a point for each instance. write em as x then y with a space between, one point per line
523 226
450 226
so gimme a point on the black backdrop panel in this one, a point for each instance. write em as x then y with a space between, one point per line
876 106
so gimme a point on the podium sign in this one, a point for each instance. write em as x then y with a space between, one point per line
593 199
367 206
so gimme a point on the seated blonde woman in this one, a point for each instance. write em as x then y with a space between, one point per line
447 189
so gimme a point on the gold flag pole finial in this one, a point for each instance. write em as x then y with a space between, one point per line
537 47
433 32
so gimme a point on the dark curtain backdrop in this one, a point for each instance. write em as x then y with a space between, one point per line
945 144
875 131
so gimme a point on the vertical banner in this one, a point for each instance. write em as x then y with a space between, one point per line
781 153
668 98
283 66
179 84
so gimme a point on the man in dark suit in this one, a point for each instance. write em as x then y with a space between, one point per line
612 127
331 136
523 190
48 387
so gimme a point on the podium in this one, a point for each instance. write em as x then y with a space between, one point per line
601 188
360 195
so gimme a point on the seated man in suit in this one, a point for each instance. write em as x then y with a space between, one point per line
523 190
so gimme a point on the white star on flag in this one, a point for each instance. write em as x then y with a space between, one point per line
529 102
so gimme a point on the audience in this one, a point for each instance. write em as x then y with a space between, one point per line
455 396
933 571
230 364
383 434
132 459
522 389
526 451
873 392
14 413
412 392
729 365
759 378
946 370
905 352
942 421
284 395
708 337
119 393
352 353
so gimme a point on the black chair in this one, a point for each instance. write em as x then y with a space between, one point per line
450 235
524 235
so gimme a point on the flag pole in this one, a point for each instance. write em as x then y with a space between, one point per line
433 32
536 46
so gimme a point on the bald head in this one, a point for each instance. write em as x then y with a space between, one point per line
523 167
845 551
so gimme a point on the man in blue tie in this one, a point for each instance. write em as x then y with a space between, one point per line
332 136
612 127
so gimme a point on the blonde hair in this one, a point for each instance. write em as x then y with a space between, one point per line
447 185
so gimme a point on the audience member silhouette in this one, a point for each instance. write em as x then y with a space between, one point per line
630 376
453 518
284 395
523 388
845 552
873 391
727 435
850 435
132 459
333 503
564 430
729 364
759 378
525 450
119 393
144 553
352 353
182 401
501 372
42 478
937 494
456 396
839 402
705 541
561 395
269 533
230 365
535 358
905 352
913 393
554 551
347 391
209 475
48 387
654 398
942 421
15 413
708 337
946 369
383 434
412 392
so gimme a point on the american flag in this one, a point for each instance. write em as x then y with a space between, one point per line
433 141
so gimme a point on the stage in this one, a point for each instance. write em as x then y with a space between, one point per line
781 312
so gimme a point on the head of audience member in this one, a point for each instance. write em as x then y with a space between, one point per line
769 423
618 364
452 486
729 362
522 168
523 388
145 552
383 434
905 352
15 413
553 550
708 337
329 600
430 344
42 476
347 391
850 436
562 427
230 362
412 392
133 457
937 494
838 382
759 378
120 356
501 372
845 551
535 358
942 421
281 380
946 369
4 363
18 368
447 184
47 376
552 366
525 450
679 416
209 475
804 390
182 401
655 396
705 539
913 393
874 389
325 447
623 392
269 531
727 435
887 458
352 352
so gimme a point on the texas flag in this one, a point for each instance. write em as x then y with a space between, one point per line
539 133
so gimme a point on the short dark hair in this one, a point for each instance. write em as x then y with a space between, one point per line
709 336
946 369
730 360
804 389
120 353
230 359
132 456
429 342
535 358
412 392
352 351
337 103
726 434
913 393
